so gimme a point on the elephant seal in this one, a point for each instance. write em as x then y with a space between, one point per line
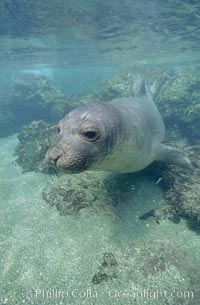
123 135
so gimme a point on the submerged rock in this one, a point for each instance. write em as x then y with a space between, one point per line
178 101
69 196
182 192
107 269
32 97
34 140
72 193
35 97
118 86
184 196
86 190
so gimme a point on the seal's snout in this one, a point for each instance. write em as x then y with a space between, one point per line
54 154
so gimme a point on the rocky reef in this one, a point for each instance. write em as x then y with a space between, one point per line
182 197
32 97
35 97
73 193
181 191
34 140
76 192
178 100
119 86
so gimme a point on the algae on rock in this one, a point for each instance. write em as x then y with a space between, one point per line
72 194
34 97
179 101
34 141
118 86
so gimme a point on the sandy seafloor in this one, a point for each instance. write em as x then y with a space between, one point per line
41 251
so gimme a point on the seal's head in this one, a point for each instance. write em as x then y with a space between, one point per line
86 135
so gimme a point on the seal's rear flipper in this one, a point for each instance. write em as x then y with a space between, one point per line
174 156
140 87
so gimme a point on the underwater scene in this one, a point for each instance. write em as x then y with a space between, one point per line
99 152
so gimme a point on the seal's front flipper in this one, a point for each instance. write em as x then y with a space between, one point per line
173 155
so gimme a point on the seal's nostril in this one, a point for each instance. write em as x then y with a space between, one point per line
54 154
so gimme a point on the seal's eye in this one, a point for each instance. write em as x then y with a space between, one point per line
58 129
91 136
